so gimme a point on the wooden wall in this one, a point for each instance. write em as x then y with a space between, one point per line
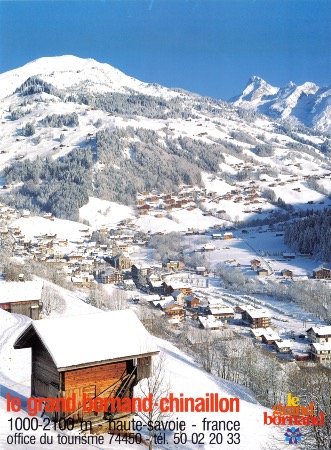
144 368
44 371
93 380
23 308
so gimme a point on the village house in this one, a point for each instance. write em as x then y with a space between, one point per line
178 297
140 271
282 346
287 273
319 334
110 276
262 272
83 280
191 301
228 235
255 263
209 323
322 274
22 297
172 286
287 255
270 337
321 352
256 317
258 332
201 270
156 286
208 247
90 369
172 265
220 310
175 310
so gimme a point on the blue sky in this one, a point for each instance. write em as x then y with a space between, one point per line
211 47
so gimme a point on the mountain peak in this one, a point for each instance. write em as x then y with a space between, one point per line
255 80
75 73
307 102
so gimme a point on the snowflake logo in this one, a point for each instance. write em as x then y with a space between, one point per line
293 435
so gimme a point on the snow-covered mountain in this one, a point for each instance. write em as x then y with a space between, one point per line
144 136
308 103
77 75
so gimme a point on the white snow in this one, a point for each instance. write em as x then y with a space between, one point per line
100 213
20 291
100 324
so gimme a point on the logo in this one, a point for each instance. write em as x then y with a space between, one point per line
293 435
294 414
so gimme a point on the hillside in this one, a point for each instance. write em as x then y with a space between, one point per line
90 118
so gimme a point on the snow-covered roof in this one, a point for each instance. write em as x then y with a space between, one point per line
323 346
97 337
20 291
283 344
258 332
221 310
210 322
271 335
321 331
256 313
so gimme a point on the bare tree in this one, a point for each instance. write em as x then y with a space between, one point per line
14 271
52 300
101 299
159 387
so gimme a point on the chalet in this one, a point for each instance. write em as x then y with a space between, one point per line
72 364
111 277
208 247
171 286
173 265
258 332
178 296
84 280
22 298
222 312
175 310
255 263
256 317
287 255
282 346
210 323
156 286
262 272
217 236
120 247
140 270
319 334
321 352
228 235
286 273
201 270
322 274
270 337
129 285
191 301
